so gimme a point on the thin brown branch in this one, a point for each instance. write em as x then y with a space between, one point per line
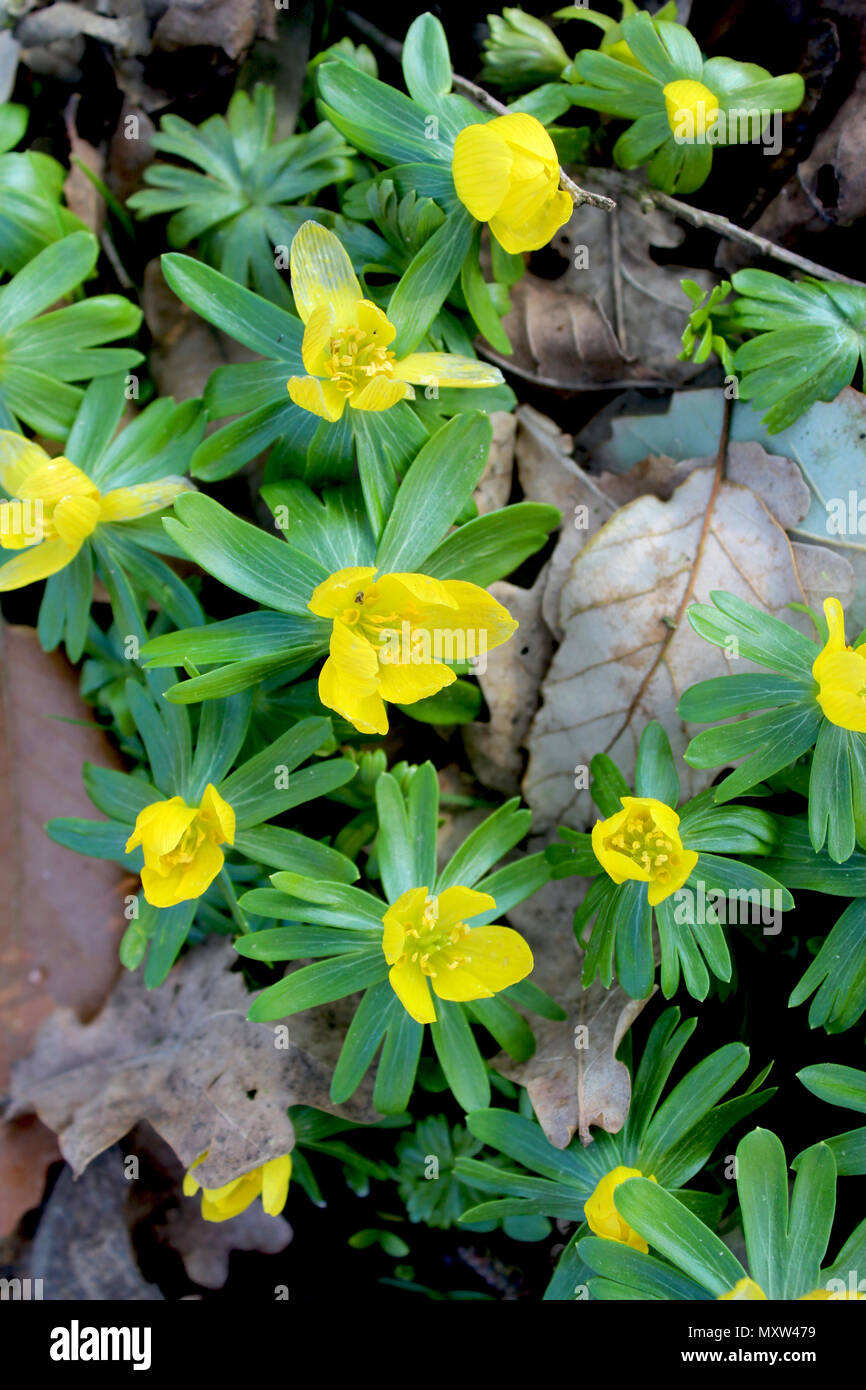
721 455
715 222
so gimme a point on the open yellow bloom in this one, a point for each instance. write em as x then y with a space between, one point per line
692 108
346 339
642 842
391 637
55 507
603 1217
181 846
841 673
270 1181
426 942
506 173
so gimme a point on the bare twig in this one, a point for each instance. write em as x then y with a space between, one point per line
486 102
714 222
721 455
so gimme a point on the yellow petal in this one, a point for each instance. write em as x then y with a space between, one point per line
316 345
658 890
338 591
691 108
399 590
222 1203
365 712
56 479
322 274
835 615
481 612
405 684
495 957
745 1290
375 321
19 457
216 808
380 393
275 1183
410 985
319 397
184 881
458 904
127 503
538 229
842 697
446 369
162 825
526 133
22 524
36 563
481 167
74 519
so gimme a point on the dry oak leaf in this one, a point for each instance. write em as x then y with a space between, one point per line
61 915
184 1058
620 663
573 1078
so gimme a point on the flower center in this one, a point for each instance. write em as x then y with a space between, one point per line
187 849
641 841
432 947
355 358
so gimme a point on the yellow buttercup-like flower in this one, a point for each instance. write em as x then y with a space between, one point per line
692 108
841 674
181 846
346 339
270 1181
506 172
642 842
55 507
393 635
427 943
603 1217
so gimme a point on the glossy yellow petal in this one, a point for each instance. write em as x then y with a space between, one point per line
601 1213
322 274
55 479
183 881
842 696
399 589
19 457
658 891
458 904
318 397
744 1291
162 825
36 563
216 809
190 1186
487 960
446 369
22 524
275 1183
365 712
222 1203
537 230
128 503
405 684
375 322
355 658
481 168
338 592
526 133
316 345
835 615
410 985
380 392
481 612
74 519
691 108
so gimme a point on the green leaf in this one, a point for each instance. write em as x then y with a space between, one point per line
608 785
396 851
494 545
321 983
288 850
425 284
678 1234
459 1057
485 845
655 773
836 1084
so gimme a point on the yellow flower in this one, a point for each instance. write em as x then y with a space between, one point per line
55 507
426 943
642 842
603 1217
390 638
506 172
692 108
346 337
270 1181
834 1296
841 673
181 846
